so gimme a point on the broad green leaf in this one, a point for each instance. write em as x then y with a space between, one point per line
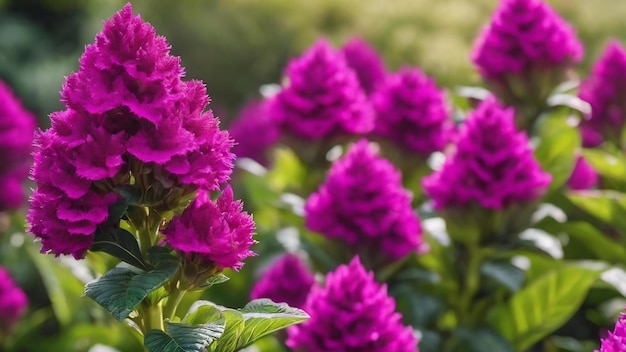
607 206
609 165
586 236
234 328
120 290
480 340
504 273
558 139
542 306
260 317
119 243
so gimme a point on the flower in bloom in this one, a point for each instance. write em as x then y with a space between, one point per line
351 313
323 97
363 203
524 35
213 232
365 62
13 301
616 341
254 132
605 91
17 127
130 121
288 280
411 111
493 164
583 176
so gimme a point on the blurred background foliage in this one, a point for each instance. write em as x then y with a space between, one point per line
235 46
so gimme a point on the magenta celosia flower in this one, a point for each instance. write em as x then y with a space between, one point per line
13 302
213 231
525 35
493 164
365 62
583 176
605 91
254 132
323 97
288 280
411 111
363 203
616 340
351 313
16 137
130 122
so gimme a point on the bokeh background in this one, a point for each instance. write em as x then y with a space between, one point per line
235 46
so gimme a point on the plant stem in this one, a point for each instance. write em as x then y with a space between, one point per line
176 296
471 286
153 317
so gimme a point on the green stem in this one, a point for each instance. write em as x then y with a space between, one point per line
153 317
174 299
471 286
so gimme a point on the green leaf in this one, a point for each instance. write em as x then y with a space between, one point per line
119 243
480 340
183 337
585 237
120 290
610 164
558 139
260 317
607 206
504 273
542 306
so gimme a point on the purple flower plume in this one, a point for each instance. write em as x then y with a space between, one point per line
13 301
323 97
605 91
351 313
616 341
288 280
583 176
363 203
411 111
365 62
525 35
213 232
130 122
254 132
493 164
17 127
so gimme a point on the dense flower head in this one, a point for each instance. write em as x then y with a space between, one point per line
411 111
214 232
351 313
583 176
365 62
288 280
616 340
605 91
363 203
323 97
524 35
493 164
254 132
13 301
17 127
130 122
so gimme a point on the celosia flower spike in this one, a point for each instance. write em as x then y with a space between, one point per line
351 313
616 341
13 302
365 62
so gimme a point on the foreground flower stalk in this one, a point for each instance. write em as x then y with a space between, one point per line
132 168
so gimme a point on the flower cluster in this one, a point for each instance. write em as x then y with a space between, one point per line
492 165
288 280
13 301
212 232
605 91
130 122
254 132
351 313
583 176
323 97
411 111
616 341
524 35
365 62
363 203
16 137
